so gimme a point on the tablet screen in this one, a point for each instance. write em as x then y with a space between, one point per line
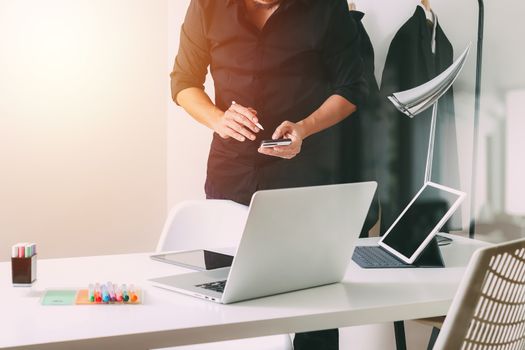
421 218
197 259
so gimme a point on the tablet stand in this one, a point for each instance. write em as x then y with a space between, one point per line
430 256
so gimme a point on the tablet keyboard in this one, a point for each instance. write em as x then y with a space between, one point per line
370 257
216 286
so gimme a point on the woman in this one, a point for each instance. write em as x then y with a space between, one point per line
281 69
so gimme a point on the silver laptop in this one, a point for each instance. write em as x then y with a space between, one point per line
293 239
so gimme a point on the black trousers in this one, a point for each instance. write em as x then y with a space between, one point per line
318 340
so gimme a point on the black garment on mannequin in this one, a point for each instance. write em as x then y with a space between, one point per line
410 63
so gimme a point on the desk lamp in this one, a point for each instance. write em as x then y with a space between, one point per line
416 100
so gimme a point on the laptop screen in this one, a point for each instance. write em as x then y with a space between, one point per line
422 217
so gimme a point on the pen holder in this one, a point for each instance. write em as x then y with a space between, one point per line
23 271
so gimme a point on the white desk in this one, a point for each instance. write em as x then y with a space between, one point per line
167 318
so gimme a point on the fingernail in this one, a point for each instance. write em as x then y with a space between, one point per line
252 137
255 120
242 139
256 129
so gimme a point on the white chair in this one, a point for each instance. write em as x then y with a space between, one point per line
209 224
200 224
488 311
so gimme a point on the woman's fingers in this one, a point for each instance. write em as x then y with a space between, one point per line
241 119
240 129
285 128
248 112
237 123
287 152
228 132
278 152
288 130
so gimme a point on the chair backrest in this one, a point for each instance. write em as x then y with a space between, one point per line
203 224
488 311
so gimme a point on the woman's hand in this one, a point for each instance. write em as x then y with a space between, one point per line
288 130
237 122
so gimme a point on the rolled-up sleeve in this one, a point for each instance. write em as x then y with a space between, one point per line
342 56
193 58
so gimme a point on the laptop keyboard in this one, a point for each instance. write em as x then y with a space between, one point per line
376 257
216 286
364 256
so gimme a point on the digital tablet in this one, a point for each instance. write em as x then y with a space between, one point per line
424 216
199 259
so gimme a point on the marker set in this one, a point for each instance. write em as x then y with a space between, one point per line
23 268
109 293
23 264
23 250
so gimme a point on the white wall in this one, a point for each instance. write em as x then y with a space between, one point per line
83 86
515 144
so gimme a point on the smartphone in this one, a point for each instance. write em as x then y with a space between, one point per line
200 259
273 143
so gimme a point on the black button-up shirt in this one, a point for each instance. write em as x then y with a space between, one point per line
306 52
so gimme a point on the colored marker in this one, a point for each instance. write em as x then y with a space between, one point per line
91 293
111 291
125 295
22 250
105 295
14 251
118 294
98 296
32 249
132 294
